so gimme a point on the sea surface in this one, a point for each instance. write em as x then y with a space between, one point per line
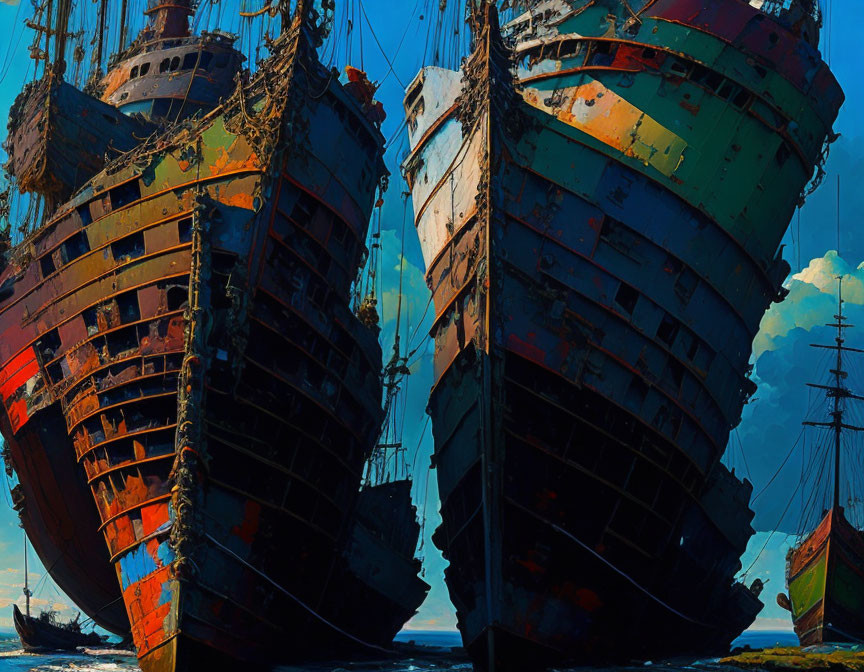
422 652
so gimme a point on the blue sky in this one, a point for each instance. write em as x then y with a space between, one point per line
783 361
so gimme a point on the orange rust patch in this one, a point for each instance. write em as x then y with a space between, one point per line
146 615
239 200
153 516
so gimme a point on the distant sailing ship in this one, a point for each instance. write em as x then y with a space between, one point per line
45 633
600 196
188 400
825 572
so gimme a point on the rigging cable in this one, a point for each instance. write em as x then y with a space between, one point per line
390 63
9 58
618 571
296 599
779 469
743 456
773 532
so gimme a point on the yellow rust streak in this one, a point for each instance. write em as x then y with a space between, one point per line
606 116
167 251
45 231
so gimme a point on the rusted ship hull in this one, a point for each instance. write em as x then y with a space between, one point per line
825 577
60 137
591 345
219 396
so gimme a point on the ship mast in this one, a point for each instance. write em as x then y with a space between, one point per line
837 391
51 22
479 14
27 592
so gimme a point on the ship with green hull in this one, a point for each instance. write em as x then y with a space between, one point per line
825 572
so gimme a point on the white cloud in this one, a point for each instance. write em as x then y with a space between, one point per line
812 300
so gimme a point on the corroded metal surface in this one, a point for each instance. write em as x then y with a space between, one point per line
174 78
600 257
187 311
59 138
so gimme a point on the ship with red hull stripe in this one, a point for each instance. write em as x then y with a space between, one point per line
188 398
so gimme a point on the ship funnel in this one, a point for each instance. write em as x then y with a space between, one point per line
169 18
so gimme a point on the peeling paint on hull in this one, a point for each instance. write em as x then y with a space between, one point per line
601 248
188 311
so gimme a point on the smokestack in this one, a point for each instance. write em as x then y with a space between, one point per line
169 18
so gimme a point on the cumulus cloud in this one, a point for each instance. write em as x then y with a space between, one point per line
812 300
784 363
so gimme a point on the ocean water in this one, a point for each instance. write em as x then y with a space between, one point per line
421 652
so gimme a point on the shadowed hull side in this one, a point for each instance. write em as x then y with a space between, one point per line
383 575
573 439
558 597
826 583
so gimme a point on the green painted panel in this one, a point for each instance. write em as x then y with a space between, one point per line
727 59
809 128
808 588
731 168
592 22
846 587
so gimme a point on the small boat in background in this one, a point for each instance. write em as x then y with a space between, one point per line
825 572
45 632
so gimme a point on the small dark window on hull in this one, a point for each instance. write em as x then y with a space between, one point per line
125 194
627 297
185 230
76 246
668 330
128 248
189 60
